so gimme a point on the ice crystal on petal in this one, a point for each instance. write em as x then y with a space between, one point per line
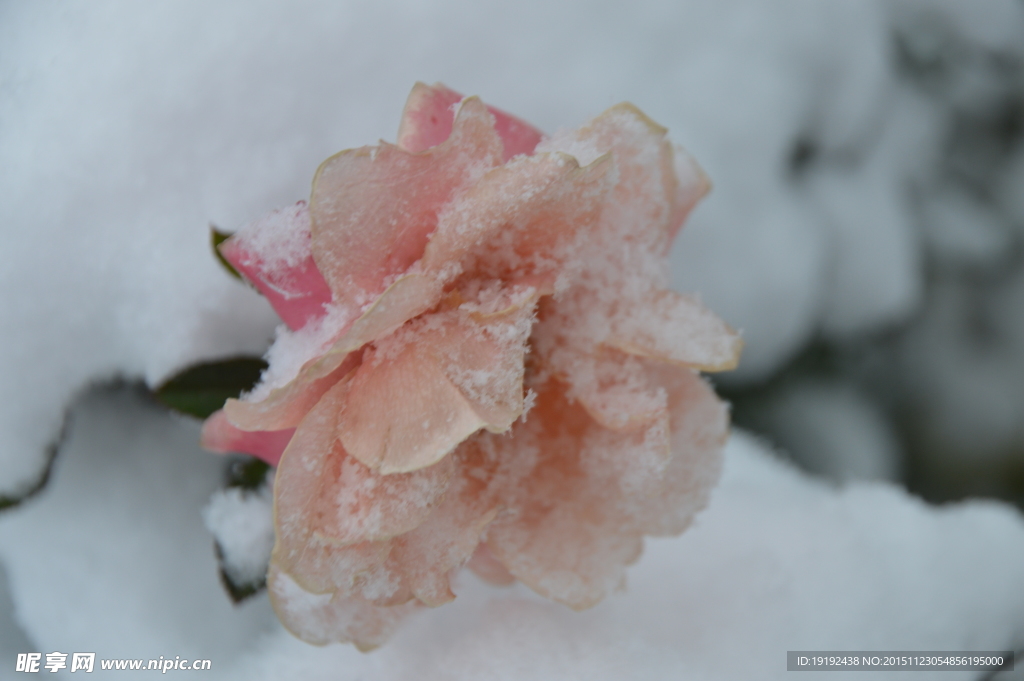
477 272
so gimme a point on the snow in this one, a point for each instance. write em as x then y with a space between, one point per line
129 128
777 562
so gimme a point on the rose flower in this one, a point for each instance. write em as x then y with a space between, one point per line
484 365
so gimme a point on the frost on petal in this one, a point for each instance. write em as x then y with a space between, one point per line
650 199
421 392
427 556
429 113
675 328
332 618
219 435
520 219
614 389
321 491
580 514
284 407
274 254
698 424
373 208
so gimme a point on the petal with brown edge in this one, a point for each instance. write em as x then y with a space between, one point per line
373 208
429 113
675 328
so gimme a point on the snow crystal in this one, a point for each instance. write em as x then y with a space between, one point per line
240 520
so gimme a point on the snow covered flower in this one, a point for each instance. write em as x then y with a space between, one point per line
484 365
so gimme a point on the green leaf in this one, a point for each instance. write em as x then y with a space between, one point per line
237 591
218 237
246 472
202 389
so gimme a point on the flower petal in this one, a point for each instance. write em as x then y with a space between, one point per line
698 426
325 618
404 413
520 219
373 208
428 115
421 392
275 256
320 490
284 407
567 539
219 435
613 388
488 568
672 327
655 189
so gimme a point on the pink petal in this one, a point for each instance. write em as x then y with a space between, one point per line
219 435
676 328
614 389
373 208
565 540
698 426
421 392
488 568
656 187
428 115
331 618
403 413
285 407
320 490
274 255
521 219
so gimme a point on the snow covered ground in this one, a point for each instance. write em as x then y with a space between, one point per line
867 178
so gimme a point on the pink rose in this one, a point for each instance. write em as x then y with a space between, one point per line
485 365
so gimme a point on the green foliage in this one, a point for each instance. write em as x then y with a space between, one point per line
202 389
218 237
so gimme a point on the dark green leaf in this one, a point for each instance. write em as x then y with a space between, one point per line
202 389
218 237
237 591
246 472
